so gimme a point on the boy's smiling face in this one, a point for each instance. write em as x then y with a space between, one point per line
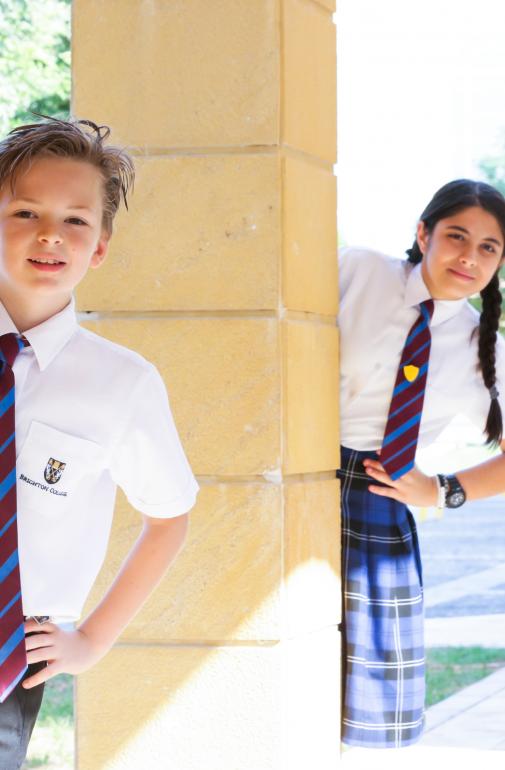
50 232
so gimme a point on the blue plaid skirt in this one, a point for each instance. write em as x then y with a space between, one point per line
383 635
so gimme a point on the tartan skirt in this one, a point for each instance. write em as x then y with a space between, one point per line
383 624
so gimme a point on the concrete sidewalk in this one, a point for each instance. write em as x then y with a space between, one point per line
420 758
452 590
465 631
471 718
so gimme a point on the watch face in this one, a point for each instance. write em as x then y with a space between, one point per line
456 499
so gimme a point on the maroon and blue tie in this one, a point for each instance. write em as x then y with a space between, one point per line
402 428
13 662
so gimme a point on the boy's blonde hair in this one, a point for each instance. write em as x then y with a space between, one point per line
77 140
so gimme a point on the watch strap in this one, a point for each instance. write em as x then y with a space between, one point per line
454 493
441 491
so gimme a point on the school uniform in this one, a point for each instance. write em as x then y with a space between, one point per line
90 416
384 676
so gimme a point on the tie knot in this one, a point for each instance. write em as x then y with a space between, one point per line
427 308
10 345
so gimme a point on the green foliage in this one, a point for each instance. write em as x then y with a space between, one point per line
493 168
34 60
494 172
449 669
52 744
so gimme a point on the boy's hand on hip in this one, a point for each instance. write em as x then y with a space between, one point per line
66 652
414 488
73 652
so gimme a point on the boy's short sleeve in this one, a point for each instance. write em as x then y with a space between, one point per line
147 460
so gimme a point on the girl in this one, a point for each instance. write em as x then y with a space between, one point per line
414 354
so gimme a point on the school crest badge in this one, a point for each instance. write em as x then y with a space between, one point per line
54 470
410 372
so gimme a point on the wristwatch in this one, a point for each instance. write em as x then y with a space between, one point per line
454 492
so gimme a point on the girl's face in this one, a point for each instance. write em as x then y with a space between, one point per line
461 254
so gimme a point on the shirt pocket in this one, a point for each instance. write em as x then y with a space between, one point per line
51 468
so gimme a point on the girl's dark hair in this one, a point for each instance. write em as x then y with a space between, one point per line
450 199
77 140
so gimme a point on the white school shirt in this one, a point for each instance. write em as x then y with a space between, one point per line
379 303
90 415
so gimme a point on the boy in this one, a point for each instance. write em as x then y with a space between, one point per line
89 415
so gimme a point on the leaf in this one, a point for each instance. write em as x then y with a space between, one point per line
34 60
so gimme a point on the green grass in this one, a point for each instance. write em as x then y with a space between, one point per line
52 743
449 669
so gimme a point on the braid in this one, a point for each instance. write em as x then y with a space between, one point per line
415 254
488 327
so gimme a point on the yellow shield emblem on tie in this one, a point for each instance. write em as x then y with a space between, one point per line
410 372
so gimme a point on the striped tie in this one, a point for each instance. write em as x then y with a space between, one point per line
12 637
402 428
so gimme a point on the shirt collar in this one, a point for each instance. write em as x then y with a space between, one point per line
49 337
416 291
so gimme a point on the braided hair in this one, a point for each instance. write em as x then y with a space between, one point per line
450 199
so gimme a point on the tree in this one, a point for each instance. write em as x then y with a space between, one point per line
34 60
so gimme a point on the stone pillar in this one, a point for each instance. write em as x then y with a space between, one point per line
223 273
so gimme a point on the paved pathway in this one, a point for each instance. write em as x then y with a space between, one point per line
422 758
466 631
475 584
473 717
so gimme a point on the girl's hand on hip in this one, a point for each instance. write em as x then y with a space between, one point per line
414 488
66 652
